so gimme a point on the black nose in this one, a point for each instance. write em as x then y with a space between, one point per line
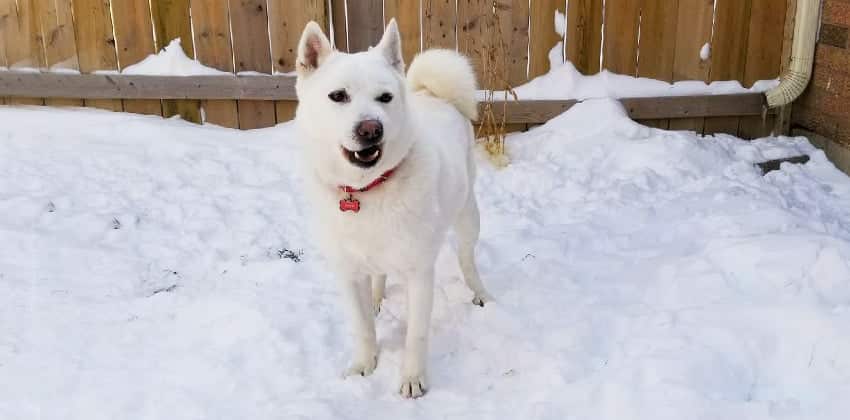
369 131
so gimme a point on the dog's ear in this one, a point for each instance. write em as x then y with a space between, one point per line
390 46
313 48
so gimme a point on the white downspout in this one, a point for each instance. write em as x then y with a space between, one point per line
799 72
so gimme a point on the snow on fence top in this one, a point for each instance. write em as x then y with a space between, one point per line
510 41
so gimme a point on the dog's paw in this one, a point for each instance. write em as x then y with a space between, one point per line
481 299
413 387
362 367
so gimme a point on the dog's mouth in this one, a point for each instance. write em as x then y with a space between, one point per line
364 158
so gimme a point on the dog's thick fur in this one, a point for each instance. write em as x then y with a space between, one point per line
428 138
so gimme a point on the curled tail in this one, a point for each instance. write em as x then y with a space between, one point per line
447 75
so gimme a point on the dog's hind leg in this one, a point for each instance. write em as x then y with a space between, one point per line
379 284
357 299
468 227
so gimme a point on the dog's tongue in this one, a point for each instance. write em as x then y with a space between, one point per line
367 155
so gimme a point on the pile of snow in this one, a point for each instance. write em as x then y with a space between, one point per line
171 61
566 82
156 269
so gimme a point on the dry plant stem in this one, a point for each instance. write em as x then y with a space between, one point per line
491 132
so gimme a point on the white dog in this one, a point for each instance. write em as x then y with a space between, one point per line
389 170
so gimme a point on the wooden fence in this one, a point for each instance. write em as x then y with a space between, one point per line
508 40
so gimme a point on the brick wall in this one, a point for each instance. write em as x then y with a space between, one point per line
824 109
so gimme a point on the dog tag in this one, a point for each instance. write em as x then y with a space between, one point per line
349 204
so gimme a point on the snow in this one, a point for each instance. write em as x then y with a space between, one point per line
560 23
566 82
171 61
157 269
705 52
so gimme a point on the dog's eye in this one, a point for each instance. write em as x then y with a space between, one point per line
340 96
385 97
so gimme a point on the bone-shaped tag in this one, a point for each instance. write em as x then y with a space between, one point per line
349 204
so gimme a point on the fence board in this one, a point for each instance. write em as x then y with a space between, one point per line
406 14
4 16
584 34
211 22
620 49
543 34
23 48
764 57
5 12
729 53
692 32
60 49
134 41
365 24
95 43
515 24
171 20
286 22
783 117
339 23
249 23
658 43
438 24
474 38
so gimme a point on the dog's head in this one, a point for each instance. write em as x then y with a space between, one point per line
352 108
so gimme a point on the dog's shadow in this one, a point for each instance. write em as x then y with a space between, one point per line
391 322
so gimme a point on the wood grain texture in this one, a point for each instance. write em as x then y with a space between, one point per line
515 25
365 24
620 49
60 48
286 22
692 32
339 22
134 41
213 48
171 20
4 21
439 24
103 86
584 35
764 57
729 53
783 117
475 38
95 44
249 23
57 27
406 14
677 107
658 25
543 36
22 38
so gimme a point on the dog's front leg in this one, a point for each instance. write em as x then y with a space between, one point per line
420 298
356 291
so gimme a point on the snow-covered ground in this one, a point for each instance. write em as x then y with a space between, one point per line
154 269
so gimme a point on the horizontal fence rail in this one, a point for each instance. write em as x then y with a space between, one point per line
282 88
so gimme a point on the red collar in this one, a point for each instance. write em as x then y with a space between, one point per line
352 204
378 181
